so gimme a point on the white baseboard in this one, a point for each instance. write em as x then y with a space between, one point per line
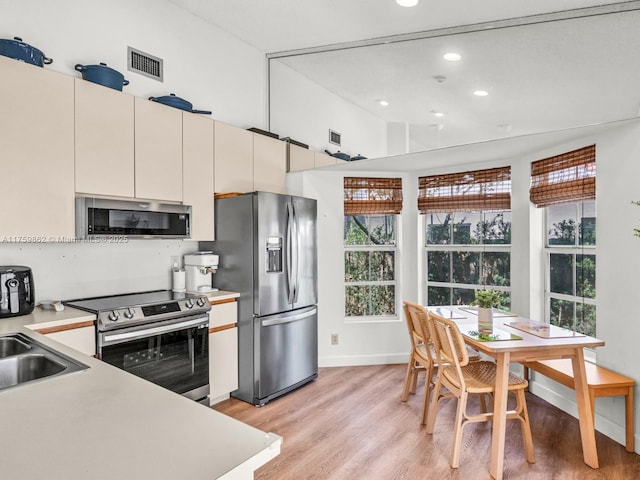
602 424
358 360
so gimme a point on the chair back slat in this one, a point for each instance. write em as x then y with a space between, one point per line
452 345
417 319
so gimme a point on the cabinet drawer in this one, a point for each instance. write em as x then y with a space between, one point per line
82 339
223 314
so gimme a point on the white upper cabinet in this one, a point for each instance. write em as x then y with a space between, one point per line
323 160
300 158
158 151
198 173
36 152
104 140
269 164
233 159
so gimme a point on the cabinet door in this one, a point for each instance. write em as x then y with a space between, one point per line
223 363
158 151
197 173
36 152
223 350
233 159
322 160
104 140
82 339
300 158
269 164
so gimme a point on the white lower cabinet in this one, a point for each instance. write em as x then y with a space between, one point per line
223 350
82 339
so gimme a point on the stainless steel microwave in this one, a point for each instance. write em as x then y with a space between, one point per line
99 217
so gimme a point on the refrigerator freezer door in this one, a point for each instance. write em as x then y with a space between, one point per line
272 289
288 352
305 255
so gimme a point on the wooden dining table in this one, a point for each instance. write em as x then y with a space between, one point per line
516 339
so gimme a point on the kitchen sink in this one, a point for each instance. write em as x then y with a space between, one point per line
10 346
24 360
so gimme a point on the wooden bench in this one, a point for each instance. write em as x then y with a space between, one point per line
601 382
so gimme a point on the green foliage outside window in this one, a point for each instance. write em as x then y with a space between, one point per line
369 261
572 273
466 266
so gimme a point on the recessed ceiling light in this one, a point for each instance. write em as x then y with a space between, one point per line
452 57
481 93
383 102
407 3
437 113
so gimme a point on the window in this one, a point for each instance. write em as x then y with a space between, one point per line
570 290
467 222
371 209
565 186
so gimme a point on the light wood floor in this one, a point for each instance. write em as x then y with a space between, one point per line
350 424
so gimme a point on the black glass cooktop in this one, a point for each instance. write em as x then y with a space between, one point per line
112 302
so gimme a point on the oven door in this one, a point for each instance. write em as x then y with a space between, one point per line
173 354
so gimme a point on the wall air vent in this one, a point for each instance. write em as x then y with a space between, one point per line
334 137
144 64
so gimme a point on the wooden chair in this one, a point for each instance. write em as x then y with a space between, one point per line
461 378
423 353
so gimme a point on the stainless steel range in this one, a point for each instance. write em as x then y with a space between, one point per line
161 336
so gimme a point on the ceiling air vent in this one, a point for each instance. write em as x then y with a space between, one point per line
144 64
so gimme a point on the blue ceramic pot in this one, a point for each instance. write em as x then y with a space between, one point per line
102 75
24 52
176 102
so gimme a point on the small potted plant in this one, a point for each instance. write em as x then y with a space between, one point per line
487 300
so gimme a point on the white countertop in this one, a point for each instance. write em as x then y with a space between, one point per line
41 318
218 295
103 423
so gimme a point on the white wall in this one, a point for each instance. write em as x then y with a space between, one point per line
618 264
359 343
304 111
62 271
202 64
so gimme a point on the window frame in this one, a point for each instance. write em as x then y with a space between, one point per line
576 249
457 247
396 269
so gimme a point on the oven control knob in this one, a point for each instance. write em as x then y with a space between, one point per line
114 316
129 313
201 302
189 304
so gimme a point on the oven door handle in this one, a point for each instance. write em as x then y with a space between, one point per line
147 332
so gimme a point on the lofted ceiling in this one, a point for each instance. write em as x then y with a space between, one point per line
547 65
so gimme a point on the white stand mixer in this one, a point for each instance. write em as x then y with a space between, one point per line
198 268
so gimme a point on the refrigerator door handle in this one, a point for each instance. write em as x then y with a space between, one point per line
289 319
289 254
296 248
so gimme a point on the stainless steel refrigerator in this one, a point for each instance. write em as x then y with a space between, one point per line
267 248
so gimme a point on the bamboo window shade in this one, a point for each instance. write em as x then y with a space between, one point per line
466 191
566 178
372 196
